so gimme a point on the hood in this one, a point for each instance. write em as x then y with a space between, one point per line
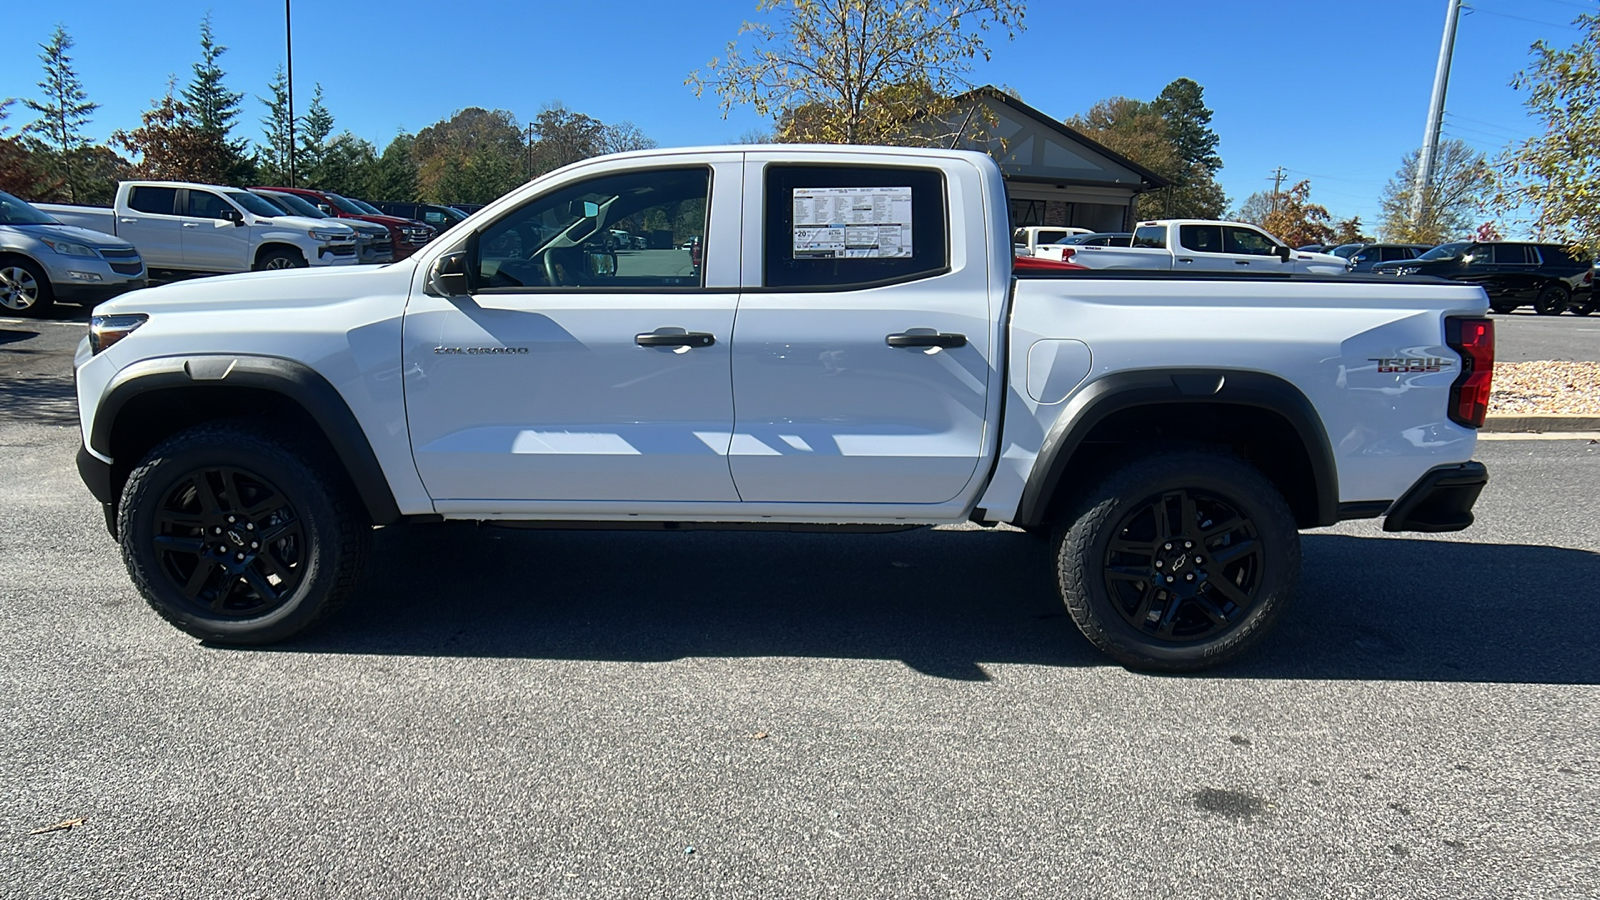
303 223
363 226
96 239
1325 259
277 289
391 221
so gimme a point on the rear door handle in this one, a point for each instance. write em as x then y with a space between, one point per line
127 221
1241 262
941 339
191 224
675 339
1183 260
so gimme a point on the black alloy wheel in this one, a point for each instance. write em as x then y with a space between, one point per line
1177 560
242 533
1552 300
1183 566
229 542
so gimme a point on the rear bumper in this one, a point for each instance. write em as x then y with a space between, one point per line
1440 500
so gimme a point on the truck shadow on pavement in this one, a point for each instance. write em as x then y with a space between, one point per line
945 603
39 400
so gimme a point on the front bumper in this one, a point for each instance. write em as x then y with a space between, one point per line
342 253
89 281
91 294
1440 500
96 475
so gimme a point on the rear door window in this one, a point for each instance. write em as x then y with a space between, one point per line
1512 255
840 227
155 200
1201 238
1150 237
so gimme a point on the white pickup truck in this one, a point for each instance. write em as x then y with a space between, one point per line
1197 245
1030 239
204 228
812 338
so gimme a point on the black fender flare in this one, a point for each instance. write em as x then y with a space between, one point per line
293 380
1148 387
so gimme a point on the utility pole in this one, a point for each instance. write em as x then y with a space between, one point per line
288 48
1277 187
1430 136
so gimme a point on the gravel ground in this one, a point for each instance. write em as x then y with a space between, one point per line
1546 388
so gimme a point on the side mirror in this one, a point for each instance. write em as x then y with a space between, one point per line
325 208
233 215
602 264
448 275
1285 253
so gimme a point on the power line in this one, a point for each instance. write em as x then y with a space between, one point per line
1334 177
1511 131
1490 12
1499 137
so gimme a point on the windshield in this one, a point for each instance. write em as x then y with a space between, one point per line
254 204
1345 251
366 207
293 205
346 206
18 212
1445 251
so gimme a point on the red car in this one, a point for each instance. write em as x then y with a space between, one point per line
408 235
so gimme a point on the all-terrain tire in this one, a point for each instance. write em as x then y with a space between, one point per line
1095 579
268 509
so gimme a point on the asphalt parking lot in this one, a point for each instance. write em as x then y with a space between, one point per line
590 714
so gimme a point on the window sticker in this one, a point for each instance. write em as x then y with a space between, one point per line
852 223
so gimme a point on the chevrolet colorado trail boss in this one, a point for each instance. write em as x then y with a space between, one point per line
851 348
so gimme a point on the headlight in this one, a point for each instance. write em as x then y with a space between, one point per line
326 235
107 330
69 248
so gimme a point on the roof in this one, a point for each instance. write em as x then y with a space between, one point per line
993 93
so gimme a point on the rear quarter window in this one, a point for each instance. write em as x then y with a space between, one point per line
841 227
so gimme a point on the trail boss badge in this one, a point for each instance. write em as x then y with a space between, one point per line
1411 363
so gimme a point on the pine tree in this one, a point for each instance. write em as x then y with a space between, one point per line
65 108
272 158
316 127
213 108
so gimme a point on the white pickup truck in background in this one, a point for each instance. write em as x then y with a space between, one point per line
1197 245
180 227
813 338
1029 239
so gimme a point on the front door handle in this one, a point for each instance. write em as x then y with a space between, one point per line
191 224
927 339
675 339
1241 262
1183 260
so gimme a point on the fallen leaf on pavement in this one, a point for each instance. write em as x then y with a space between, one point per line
63 825
759 736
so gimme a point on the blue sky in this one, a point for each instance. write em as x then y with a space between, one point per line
1334 91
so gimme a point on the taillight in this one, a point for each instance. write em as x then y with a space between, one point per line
1588 277
1067 253
1469 396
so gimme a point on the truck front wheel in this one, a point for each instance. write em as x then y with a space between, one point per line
281 258
239 538
1177 561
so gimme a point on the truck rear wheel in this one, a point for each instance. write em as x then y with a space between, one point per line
1178 561
238 538
1552 301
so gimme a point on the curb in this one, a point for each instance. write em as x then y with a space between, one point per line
1541 423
